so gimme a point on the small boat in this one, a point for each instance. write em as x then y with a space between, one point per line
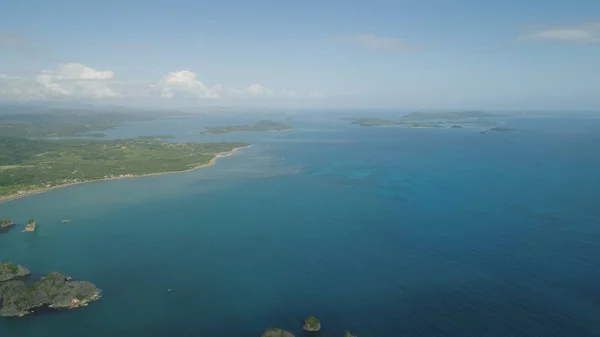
65 221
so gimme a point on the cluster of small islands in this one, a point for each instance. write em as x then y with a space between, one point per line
21 294
311 324
6 224
453 120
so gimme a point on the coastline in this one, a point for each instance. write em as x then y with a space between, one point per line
211 162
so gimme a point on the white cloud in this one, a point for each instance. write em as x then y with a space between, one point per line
582 34
80 72
72 80
47 80
184 83
166 93
77 81
380 43
258 90
9 91
252 91
181 77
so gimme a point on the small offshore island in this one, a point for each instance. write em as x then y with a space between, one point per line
262 125
20 297
31 226
498 129
29 166
449 119
311 325
7 224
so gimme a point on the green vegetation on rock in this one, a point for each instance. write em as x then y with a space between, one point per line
9 271
31 226
5 224
275 332
13 268
263 125
27 165
311 324
53 291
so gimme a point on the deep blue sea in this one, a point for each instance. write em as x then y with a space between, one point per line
382 231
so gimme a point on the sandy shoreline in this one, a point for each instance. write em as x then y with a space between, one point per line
42 190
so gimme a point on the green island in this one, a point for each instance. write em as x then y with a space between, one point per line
29 122
311 324
373 121
30 166
498 129
262 125
445 115
450 119
19 298
403 123
30 226
32 160
5 224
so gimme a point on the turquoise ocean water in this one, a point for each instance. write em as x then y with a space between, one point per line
382 231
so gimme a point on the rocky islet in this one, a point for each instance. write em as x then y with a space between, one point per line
19 298
311 324
5 224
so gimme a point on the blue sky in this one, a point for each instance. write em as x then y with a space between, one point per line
406 54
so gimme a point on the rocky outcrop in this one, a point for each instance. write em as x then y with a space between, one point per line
275 332
497 129
10 271
5 224
311 324
54 291
501 129
31 226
